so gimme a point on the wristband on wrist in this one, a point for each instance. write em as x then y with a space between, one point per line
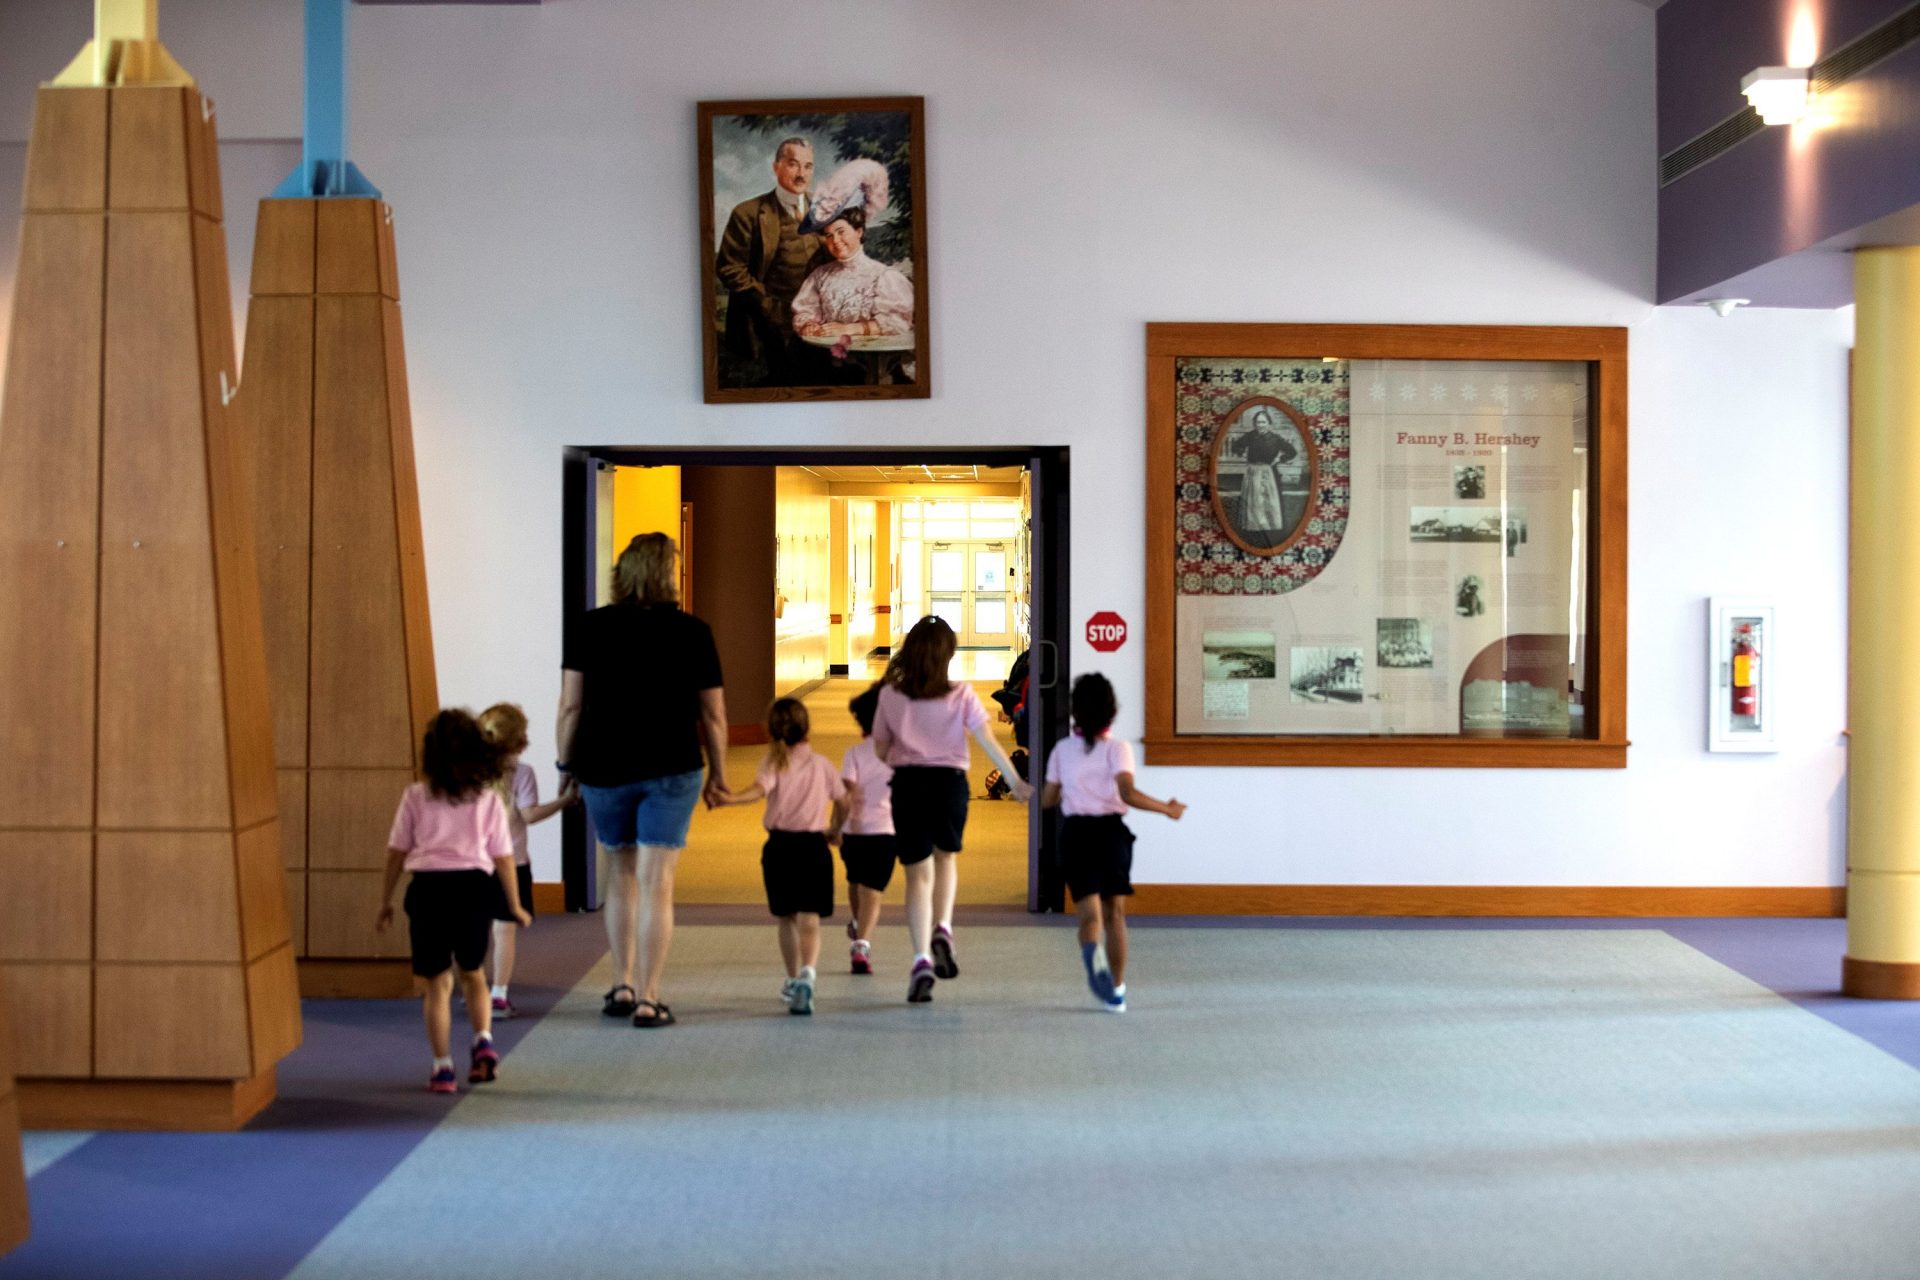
561 767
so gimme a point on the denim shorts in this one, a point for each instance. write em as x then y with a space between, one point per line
654 811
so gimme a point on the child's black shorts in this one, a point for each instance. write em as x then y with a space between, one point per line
929 811
1097 855
523 876
450 917
797 868
868 859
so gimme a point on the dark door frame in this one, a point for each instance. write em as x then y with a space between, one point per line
1048 587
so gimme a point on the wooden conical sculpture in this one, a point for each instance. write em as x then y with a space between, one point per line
342 573
144 942
13 1173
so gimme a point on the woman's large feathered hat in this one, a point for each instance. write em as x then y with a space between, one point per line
857 184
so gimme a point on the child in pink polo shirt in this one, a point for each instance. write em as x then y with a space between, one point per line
1091 781
920 730
796 864
451 832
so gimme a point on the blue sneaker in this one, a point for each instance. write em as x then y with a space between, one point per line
1117 1002
443 1081
1099 976
802 999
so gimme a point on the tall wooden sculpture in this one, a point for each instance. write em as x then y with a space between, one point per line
338 522
144 941
13 1174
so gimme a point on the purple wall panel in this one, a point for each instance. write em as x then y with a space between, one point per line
1785 190
1705 46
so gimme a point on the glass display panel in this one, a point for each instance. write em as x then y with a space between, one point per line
1381 547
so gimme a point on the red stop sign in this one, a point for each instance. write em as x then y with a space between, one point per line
1106 631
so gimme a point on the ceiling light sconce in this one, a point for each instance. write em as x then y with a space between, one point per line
1779 94
1723 307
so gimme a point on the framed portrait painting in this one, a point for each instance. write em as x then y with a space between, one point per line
813 250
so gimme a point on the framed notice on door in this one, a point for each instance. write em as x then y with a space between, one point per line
1386 545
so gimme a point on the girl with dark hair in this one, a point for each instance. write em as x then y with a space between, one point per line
796 864
452 833
920 729
1092 783
866 839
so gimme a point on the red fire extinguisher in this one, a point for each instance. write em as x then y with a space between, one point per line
1746 674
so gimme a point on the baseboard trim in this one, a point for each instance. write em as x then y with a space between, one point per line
1483 900
549 899
1879 979
355 979
156 1106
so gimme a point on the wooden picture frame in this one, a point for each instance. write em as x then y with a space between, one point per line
1604 541
776 327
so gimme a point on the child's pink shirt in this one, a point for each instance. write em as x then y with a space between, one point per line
869 783
1088 780
437 834
927 732
798 795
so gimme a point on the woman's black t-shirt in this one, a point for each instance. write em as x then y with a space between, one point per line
645 666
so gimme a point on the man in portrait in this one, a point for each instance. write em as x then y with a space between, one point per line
763 259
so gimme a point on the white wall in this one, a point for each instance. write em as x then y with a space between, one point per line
1093 165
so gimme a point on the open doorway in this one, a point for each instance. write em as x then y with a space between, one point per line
810 565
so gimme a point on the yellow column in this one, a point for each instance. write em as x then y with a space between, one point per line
125 49
1883 793
839 598
883 584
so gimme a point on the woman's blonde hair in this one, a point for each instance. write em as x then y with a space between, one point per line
787 727
644 573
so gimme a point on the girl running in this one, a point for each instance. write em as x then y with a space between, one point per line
920 729
796 863
1092 783
451 832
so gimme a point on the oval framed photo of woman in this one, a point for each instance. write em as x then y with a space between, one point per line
1264 473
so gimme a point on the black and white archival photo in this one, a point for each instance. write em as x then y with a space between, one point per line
1469 481
1404 643
1327 673
1468 524
1240 655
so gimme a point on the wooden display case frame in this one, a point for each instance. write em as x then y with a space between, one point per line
1603 350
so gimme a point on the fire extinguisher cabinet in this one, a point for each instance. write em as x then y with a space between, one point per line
1742 675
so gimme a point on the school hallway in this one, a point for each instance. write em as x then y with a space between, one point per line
1312 1098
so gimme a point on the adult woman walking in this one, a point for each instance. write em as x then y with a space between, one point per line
640 705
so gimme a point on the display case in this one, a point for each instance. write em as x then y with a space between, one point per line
1386 545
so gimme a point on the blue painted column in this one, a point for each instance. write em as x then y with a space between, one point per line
324 168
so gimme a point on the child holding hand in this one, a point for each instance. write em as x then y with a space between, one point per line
1091 781
796 864
451 832
506 728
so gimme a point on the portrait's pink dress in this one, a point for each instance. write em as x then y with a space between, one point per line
855 291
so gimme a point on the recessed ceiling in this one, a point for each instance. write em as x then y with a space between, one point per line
934 474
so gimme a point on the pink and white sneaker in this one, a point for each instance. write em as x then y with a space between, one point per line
920 984
443 1081
503 1008
861 959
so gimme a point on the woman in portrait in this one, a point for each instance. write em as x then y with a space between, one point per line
1263 515
853 296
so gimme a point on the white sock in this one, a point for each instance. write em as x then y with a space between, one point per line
1120 990
499 991
482 1037
862 945
442 1064
807 973
922 957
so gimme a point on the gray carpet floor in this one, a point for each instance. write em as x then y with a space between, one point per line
1276 1103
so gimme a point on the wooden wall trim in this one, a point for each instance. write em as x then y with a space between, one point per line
1485 900
355 979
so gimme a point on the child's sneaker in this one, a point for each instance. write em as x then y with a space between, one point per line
920 984
786 991
944 965
1117 1002
503 1008
862 958
802 1001
443 1081
1099 978
486 1062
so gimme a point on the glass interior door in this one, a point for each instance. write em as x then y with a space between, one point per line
991 607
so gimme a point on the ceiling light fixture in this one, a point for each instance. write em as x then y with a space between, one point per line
1779 94
1723 307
